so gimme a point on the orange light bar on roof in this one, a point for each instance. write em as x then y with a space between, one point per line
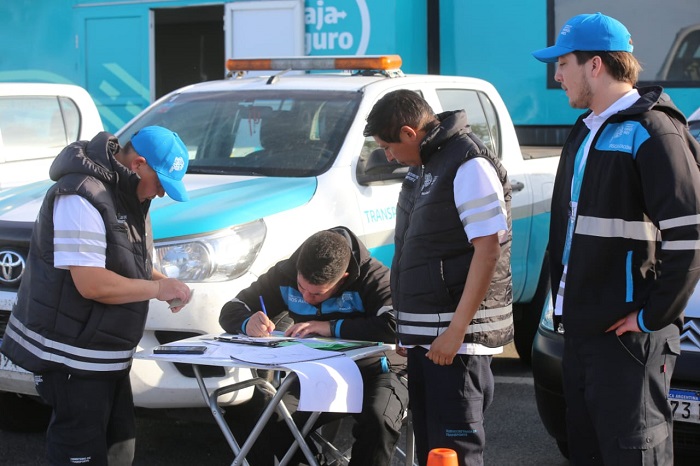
348 62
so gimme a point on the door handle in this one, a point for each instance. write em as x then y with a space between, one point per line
517 185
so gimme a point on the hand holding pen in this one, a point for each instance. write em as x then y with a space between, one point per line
259 325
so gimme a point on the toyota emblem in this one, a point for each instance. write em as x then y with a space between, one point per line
11 267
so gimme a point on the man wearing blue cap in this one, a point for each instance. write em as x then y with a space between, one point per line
82 304
624 240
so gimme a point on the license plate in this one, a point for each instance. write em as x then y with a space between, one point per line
7 365
685 405
7 300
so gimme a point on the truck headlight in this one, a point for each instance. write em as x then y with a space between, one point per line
215 257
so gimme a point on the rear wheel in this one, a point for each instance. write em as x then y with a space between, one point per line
21 413
530 313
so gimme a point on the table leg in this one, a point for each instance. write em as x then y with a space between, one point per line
218 413
300 437
275 403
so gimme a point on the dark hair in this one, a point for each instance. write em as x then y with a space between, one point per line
622 66
128 147
323 257
397 109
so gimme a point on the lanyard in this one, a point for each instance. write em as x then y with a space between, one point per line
577 180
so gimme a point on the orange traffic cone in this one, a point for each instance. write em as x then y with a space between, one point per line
442 457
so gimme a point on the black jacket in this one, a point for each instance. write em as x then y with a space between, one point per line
636 241
360 310
433 254
52 327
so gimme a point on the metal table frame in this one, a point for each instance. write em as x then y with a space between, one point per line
211 397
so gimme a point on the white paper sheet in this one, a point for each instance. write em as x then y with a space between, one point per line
281 355
332 385
330 381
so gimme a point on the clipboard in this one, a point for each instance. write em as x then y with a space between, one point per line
271 342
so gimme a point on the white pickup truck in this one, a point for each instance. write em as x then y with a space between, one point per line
272 160
37 120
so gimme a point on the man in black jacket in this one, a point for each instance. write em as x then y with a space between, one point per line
623 246
330 287
450 276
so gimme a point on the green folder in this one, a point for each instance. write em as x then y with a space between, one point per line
331 344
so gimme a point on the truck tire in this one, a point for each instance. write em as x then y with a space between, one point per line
21 413
530 314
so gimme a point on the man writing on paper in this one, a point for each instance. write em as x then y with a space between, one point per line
329 287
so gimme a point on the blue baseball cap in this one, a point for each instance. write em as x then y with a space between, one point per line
167 155
589 32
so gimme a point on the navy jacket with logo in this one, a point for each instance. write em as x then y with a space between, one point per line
637 237
360 310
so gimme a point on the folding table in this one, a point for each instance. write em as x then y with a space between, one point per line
211 396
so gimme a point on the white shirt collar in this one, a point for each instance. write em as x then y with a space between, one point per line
623 103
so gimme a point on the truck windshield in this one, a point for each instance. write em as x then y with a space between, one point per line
267 133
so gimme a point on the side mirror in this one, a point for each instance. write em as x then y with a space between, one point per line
376 169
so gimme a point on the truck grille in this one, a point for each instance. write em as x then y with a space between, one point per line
4 318
686 438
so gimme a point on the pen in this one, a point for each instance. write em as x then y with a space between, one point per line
262 303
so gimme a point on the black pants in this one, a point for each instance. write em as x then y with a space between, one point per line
616 391
448 404
92 420
385 399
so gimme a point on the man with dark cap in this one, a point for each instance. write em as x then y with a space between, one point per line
623 246
82 304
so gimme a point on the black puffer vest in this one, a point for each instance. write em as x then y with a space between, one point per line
52 326
433 254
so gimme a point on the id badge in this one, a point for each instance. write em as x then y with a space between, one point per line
569 233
